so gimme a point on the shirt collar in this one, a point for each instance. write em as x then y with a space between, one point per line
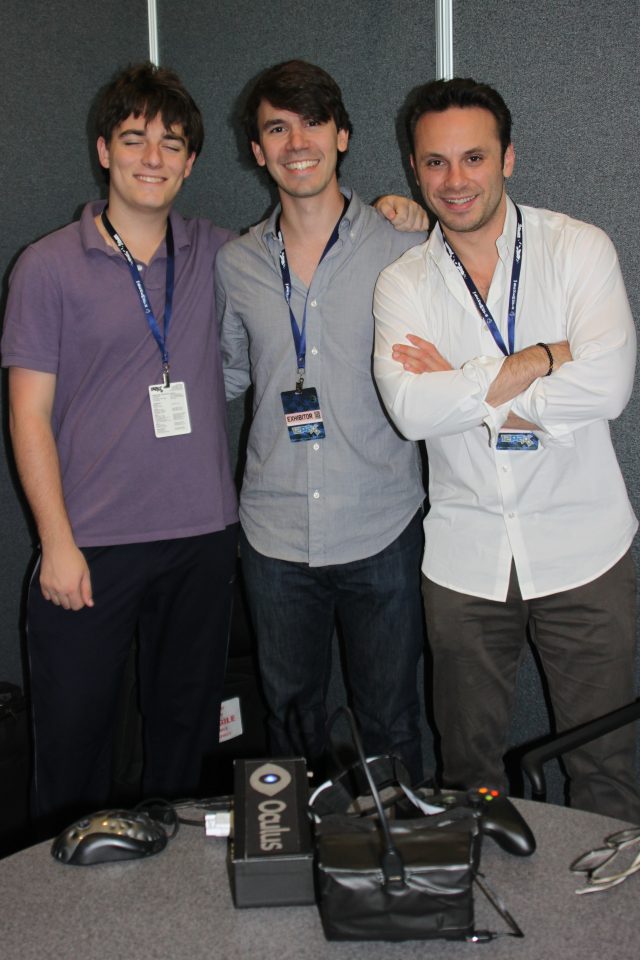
505 243
351 218
92 238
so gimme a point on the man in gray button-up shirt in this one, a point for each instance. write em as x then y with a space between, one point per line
330 513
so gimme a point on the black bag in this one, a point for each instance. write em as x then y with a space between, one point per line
415 885
410 879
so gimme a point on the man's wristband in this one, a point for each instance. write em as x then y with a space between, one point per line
550 355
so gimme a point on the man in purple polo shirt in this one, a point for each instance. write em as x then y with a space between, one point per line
117 418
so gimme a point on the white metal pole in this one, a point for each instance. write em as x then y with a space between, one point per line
152 16
444 39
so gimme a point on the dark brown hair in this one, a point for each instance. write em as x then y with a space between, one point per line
145 90
439 95
300 87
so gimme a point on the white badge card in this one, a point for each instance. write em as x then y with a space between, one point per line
169 409
230 720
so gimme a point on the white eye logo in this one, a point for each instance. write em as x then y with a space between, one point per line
270 779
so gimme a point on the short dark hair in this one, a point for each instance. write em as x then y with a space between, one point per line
439 95
300 87
146 90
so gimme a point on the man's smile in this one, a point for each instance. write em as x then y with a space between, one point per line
459 201
148 178
301 164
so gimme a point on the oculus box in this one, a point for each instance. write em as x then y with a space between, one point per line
270 851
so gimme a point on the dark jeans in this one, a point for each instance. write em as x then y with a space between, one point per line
377 603
585 638
177 594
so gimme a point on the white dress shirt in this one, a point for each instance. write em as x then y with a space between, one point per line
561 511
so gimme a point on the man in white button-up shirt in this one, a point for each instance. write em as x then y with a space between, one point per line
506 342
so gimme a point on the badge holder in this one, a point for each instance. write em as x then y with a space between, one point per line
302 414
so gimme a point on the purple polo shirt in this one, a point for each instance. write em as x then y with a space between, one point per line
73 311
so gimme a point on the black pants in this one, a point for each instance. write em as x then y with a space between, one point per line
586 641
177 595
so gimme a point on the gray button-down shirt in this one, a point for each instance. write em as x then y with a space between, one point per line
349 495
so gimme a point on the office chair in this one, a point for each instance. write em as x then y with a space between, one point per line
533 761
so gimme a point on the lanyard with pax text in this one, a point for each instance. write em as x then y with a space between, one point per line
517 439
300 334
168 401
481 306
302 414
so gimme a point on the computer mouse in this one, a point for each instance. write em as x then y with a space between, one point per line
109 835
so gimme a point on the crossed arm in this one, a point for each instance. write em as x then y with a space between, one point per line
516 374
431 394
64 574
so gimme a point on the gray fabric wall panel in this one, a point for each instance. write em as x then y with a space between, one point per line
219 48
569 74
54 58
570 77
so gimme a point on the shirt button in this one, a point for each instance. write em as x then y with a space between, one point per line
316 494
314 303
316 446
505 469
314 351
512 516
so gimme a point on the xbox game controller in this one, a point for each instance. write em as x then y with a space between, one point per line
496 814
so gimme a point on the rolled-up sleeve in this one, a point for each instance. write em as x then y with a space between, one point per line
597 383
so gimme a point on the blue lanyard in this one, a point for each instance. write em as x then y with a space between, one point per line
300 335
160 338
482 308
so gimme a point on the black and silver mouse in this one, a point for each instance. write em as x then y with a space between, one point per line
109 835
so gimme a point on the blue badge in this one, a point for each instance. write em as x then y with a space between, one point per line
520 440
302 414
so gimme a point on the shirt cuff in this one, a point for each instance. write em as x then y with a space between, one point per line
531 405
483 371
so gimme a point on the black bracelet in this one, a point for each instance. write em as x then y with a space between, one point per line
550 355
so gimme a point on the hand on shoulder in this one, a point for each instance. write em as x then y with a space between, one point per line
405 214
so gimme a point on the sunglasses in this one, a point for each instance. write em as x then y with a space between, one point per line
593 861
